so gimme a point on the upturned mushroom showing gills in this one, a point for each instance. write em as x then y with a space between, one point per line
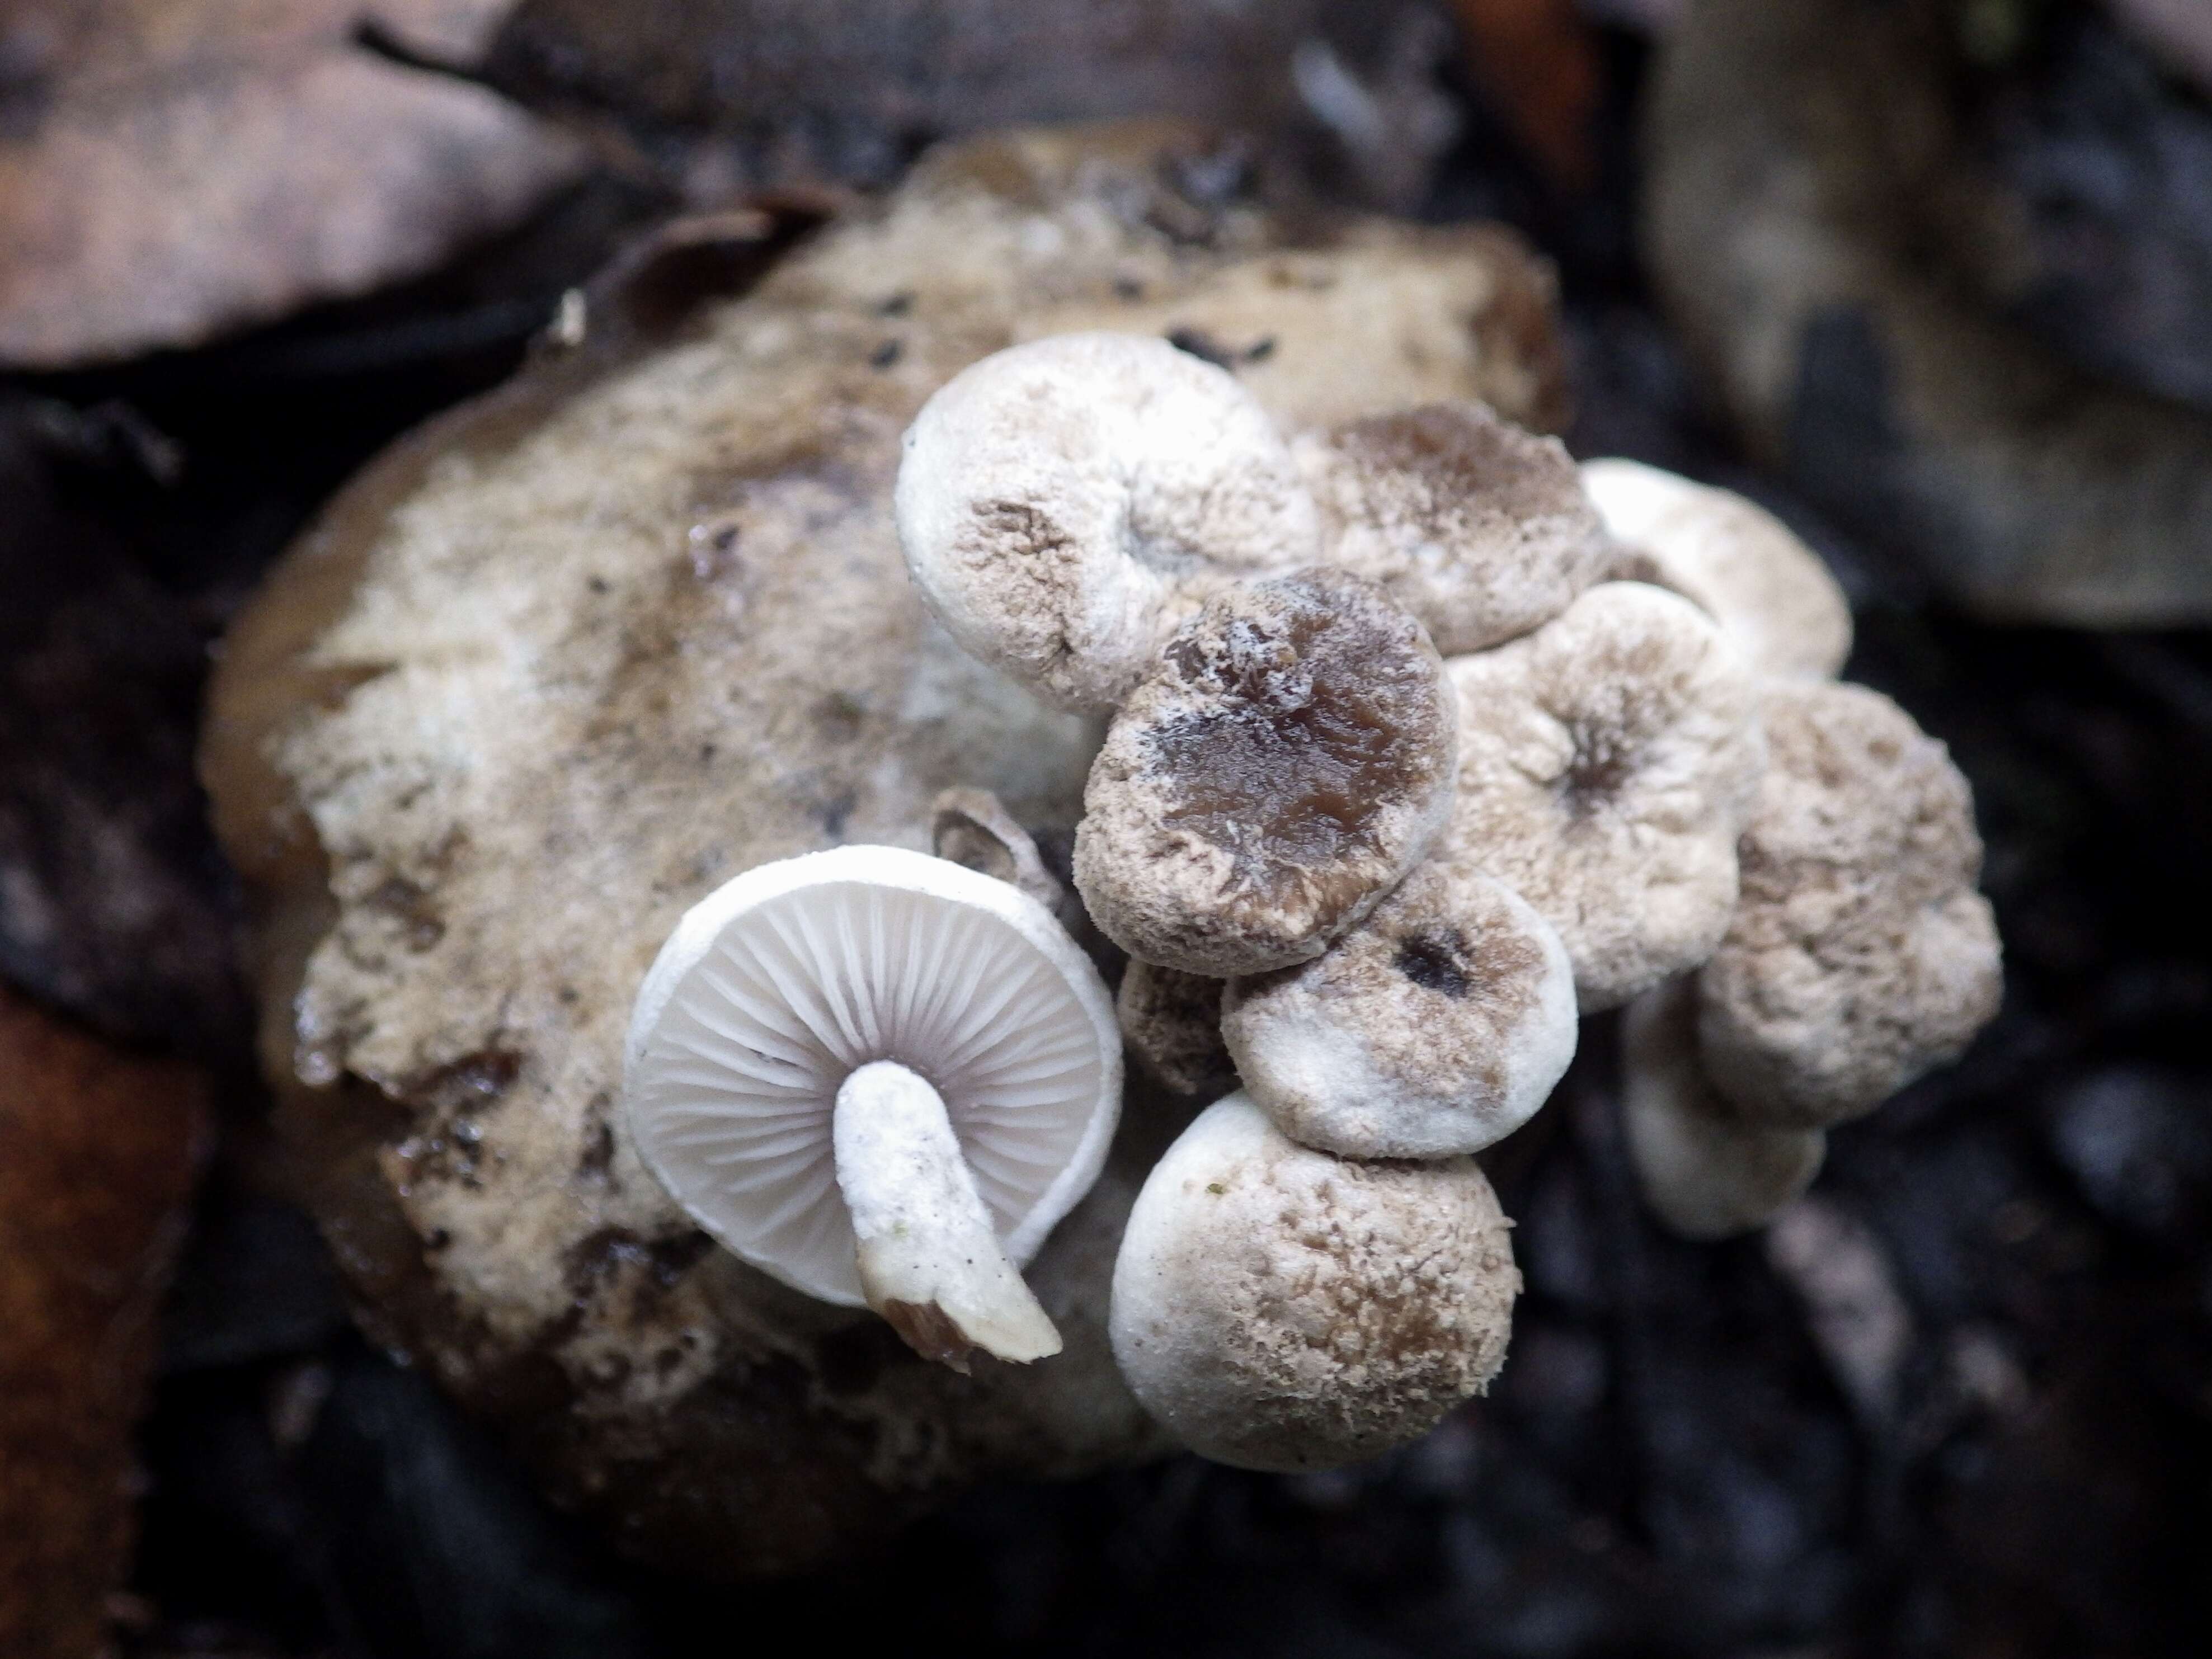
879 1078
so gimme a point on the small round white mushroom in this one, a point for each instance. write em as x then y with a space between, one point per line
1171 1021
1065 503
1277 1307
1480 529
1861 955
1436 1026
1706 1170
881 1079
1607 763
1730 557
1287 760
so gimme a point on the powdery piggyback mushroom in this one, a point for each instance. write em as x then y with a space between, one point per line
1286 761
1861 955
1065 503
1171 1024
1707 1170
1732 558
1479 528
879 1077
1278 1308
1608 762
1436 1026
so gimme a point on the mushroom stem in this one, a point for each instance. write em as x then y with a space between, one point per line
929 1258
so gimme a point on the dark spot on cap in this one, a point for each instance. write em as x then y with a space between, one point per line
1434 962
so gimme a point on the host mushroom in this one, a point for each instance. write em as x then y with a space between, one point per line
880 1078
1065 503
1278 1308
1730 557
1480 529
1436 1026
1706 1169
1608 762
1286 761
1171 1021
1861 955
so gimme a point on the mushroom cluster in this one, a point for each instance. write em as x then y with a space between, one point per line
1420 742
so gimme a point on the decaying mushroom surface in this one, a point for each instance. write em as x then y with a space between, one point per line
1732 558
1608 762
1288 758
1436 1026
567 660
1278 1308
1479 528
1707 1169
1861 955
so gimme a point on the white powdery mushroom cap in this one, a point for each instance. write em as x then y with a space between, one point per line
1436 1027
1478 528
778 986
1278 1308
1730 557
1861 955
1607 763
1065 503
1707 1170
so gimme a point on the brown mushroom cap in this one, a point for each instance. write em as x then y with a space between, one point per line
1731 558
1171 1022
1861 955
1287 760
1277 1307
1436 1026
1608 762
1706 1169
1480 529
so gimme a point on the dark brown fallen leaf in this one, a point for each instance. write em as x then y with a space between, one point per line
112 896
723 96
172 169
1538 61
98 1153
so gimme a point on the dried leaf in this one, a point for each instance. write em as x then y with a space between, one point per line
111 893
170 169
98 1153
1539 61
760 92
